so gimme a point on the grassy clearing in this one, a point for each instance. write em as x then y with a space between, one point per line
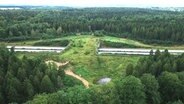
85 62
124 40
106 44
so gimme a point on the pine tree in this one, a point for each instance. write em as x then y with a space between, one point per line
151 87
129 69
28 89
131 91
46 84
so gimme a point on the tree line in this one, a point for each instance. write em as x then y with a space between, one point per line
144 24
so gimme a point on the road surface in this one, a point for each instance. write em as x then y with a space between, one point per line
36 49
134 51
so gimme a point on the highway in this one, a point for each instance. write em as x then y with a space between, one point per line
36 49
134 51
124 51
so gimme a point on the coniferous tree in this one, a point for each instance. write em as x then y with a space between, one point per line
129 69
131 91
151 87
46 84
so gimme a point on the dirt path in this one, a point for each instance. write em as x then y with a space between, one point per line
70 72
57 63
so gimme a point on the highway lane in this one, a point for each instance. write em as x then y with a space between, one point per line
134 51
36 49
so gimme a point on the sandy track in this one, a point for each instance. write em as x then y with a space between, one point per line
57 63
70 72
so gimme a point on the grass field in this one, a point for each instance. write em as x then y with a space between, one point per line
85 62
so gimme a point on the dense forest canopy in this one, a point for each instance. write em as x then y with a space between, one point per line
162 72
136 23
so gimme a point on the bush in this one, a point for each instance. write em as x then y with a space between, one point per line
87 53
70 81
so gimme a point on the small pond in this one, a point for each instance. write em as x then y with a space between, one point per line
104 80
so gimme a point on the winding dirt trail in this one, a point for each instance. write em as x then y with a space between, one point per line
69 72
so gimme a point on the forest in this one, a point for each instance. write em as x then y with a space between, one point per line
136 23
